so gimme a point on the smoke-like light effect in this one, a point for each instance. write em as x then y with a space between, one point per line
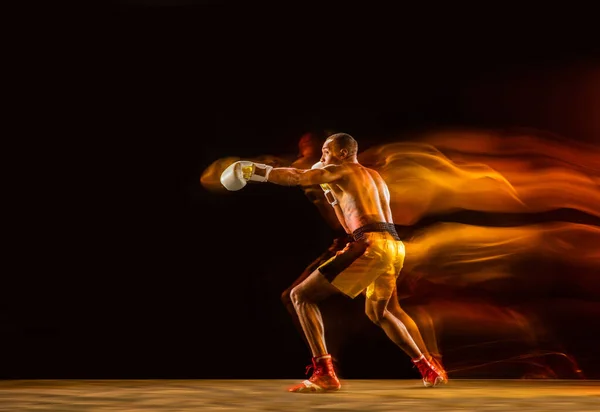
483 290
443 173
468 252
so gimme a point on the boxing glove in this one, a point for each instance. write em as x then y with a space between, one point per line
239 173
326 188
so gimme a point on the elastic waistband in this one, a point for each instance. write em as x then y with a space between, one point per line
390 228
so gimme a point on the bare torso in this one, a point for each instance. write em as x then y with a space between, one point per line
315 194
363 196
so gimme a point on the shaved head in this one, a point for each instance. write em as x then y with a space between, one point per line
344 141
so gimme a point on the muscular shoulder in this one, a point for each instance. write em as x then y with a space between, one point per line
375 176
372 172
357 167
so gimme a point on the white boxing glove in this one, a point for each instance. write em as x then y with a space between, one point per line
239 173
326 188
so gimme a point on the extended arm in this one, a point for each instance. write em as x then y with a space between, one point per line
239 173
289 176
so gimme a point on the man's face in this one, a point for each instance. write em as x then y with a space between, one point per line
329 157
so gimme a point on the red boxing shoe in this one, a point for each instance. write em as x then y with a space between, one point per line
431 376
323 378
437 364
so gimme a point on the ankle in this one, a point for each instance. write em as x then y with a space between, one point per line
322 357
420 358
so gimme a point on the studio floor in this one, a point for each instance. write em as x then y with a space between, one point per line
271 395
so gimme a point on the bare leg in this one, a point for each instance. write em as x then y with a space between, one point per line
305 297
286 299
429 330
395 330
412 329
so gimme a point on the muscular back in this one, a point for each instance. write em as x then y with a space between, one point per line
363 195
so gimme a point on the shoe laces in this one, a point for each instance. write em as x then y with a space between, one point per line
318 369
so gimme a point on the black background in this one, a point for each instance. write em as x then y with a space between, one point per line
162 278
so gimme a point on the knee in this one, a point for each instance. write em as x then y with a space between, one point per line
286 297
296 295
375 316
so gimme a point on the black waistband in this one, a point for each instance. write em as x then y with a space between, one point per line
376 227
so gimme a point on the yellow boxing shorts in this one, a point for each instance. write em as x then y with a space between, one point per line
372 262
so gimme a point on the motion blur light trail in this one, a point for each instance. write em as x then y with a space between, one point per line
458 247
443 173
